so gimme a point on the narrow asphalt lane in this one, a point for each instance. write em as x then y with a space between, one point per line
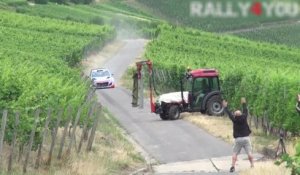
166 141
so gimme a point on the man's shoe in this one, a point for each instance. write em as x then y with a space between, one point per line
232 169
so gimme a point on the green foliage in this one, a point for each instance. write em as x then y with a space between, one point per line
292 162
268 75
38 66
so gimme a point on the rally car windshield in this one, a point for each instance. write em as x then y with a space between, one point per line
101 74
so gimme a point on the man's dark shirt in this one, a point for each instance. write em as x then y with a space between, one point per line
298 107
240 124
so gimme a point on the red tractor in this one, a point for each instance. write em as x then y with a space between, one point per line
200 92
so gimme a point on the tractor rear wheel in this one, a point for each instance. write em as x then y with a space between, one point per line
214 106
164 116
174 112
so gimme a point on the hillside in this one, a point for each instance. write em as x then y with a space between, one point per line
181 13
279 29
128 21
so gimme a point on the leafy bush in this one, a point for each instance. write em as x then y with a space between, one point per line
292 162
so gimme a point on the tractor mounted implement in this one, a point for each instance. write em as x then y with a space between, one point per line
199 92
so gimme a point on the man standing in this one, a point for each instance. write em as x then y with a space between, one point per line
298 104
241 132
135 90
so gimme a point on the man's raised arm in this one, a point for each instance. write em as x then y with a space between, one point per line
245 108
225 106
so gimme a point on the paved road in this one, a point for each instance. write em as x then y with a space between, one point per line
166 141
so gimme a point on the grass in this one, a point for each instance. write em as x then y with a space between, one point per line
266 168
112 153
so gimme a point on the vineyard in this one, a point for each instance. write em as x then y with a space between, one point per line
39 67
82 13
283 34
178 12
118 14
43 53
268 75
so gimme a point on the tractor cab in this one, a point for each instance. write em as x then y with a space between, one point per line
202 85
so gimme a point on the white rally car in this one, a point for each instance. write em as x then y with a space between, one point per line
102 78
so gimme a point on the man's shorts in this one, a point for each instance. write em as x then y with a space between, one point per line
242 142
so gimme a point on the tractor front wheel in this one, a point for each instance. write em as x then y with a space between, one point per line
174 112
214 106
